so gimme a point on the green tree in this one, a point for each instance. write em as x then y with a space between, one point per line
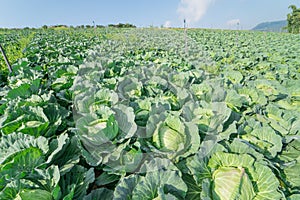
293 19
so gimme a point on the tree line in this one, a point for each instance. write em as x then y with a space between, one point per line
119 25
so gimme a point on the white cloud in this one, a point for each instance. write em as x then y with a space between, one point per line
233 22
168 24
193 10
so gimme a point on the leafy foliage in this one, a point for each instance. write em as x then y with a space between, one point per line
129 114
293 20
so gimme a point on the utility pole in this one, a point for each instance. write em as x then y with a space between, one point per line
185 36
237 33
94 26
5 58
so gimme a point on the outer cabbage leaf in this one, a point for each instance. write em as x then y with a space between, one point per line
102 193
125 187
75 183
162 180
266 140
291 158
253 96
160 183
64 152
36 194
16 142
36 119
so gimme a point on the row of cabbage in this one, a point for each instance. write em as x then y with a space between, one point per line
143 116
39 156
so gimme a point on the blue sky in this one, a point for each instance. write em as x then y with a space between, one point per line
143 13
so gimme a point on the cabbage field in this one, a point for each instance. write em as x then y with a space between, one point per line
149 114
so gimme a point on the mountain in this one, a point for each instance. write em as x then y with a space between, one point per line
275 26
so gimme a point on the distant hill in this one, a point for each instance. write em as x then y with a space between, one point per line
275 26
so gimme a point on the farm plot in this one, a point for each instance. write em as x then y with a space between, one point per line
137 114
